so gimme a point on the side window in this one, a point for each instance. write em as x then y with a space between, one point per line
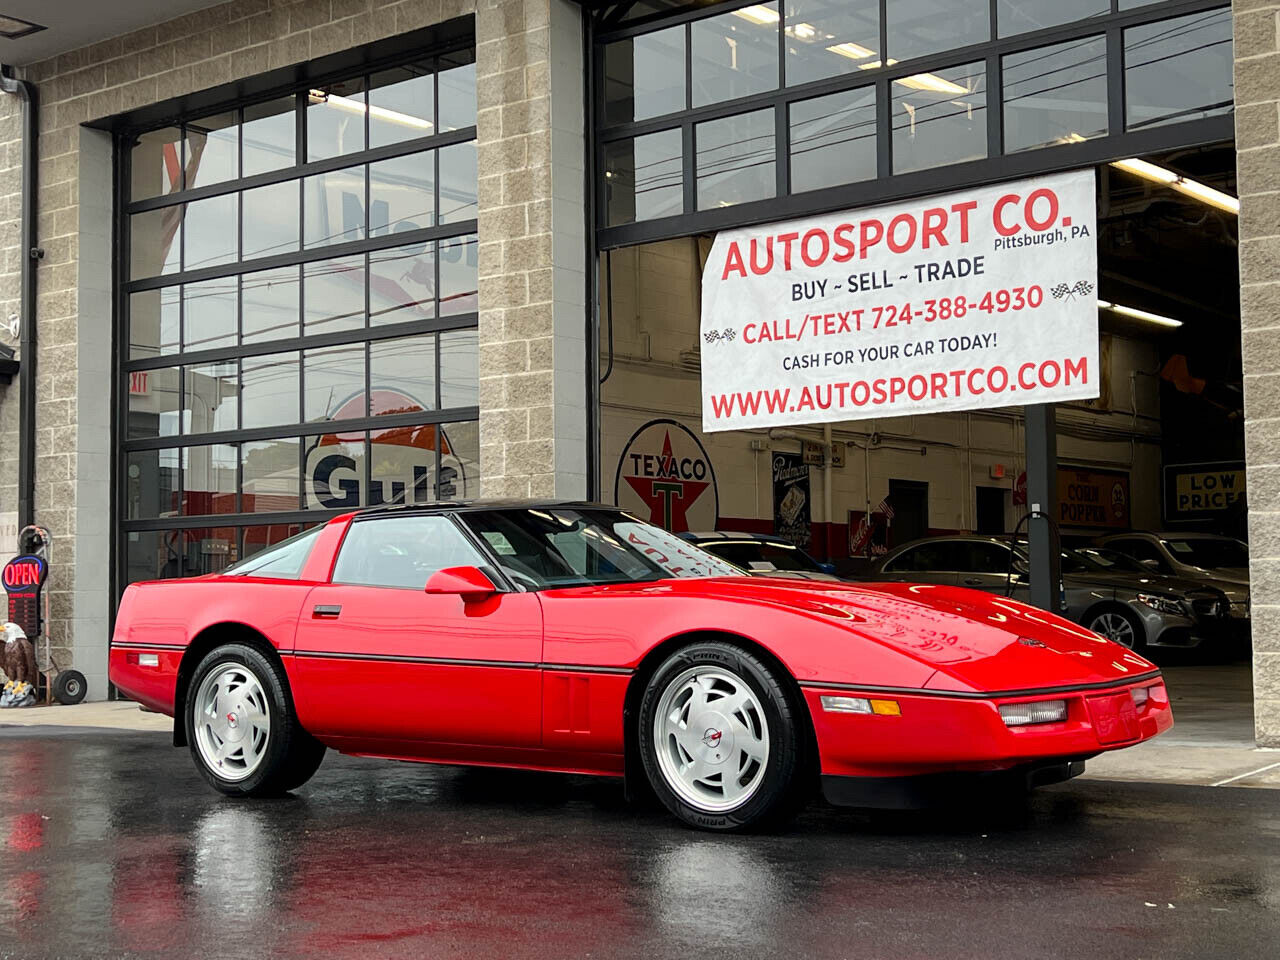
907 561
987 558
1141 550
283 561
402 551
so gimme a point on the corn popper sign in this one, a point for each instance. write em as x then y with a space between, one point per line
979 298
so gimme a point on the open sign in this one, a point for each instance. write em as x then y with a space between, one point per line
23 579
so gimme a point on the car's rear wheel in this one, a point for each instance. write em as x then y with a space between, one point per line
241 726
722 742
1118 626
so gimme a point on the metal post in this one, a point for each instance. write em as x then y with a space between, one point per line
1042 500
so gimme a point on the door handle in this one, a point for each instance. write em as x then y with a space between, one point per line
326 611
972 581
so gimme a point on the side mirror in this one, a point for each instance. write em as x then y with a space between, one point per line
827 568
470 583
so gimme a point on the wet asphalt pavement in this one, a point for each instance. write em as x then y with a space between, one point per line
111 846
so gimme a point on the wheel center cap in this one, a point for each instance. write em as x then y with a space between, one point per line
717 737
235 732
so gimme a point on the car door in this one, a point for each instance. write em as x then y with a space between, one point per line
987 567
377 658
933 561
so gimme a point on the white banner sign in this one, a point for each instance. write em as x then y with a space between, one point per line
980 298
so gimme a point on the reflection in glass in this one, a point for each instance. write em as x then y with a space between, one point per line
211 232
271 220
254 539
335 120
939 118
211 549
154 403
402 284
1055 94
153 323
155 164
917 28
334 475
211 395
209 314
333 295
459 272
333 381
209 479
402 375
644 76
334 207
825 39
269 136
833 139
269 476
402 465
401 105
153 554
735 54
459 369
735 159
458 182
213 150
457 90
644 177
401 194
269 303
459 476
151 483
154 244
1178 70
270 390
1023 16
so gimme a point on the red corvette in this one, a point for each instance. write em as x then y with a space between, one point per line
573 637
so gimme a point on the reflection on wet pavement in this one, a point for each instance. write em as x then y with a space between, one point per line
111 846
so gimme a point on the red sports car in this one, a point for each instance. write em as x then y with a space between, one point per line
573 637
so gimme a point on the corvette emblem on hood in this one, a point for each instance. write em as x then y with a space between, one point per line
1028 642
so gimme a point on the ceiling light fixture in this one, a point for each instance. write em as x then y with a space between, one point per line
13 28
757 14
1175 181
355 106
1137 314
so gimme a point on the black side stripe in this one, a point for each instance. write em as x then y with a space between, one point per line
984 694
457 661
148 646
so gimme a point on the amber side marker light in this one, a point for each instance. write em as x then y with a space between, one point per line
883 708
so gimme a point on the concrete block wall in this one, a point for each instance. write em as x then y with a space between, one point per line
1257 95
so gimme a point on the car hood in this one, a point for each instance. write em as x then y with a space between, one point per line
975 640
1133 581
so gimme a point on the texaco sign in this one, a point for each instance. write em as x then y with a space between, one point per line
665 476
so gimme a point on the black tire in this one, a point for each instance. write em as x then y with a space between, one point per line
1136 629
291 755
787 776
69 687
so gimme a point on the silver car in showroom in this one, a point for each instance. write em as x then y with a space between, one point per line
1104 592
1209 559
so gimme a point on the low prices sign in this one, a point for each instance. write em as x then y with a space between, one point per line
1201 491
1093 498
981 298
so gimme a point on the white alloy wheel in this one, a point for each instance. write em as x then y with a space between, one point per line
711 739
1114 626
231 721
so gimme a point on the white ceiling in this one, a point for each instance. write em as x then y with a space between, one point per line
77 23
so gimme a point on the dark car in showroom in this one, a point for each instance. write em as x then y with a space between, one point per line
762 555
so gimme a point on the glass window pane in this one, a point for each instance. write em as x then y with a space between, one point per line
334 475
270 305
458 183
735 54
334 207
402 464
209 479
735 159
939 117
402 375
457 91
833 140
459 461
644 177
402 284
827 39
1023 16
333 295
271 220
917 28
459 275
256 539
213 150
400 105
211 396
459 369
154 246
153 555
269 476
211 549
209 314
270 136
402 552
1178 69
644 76
151 483
153 403
1055 94
155 164
335 120
270 385
402 195
211 233
153 323
334 383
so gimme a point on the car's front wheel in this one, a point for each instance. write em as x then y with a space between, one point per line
1119 626
241 726
722 742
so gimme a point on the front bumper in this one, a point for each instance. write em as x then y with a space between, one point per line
936 789
947 733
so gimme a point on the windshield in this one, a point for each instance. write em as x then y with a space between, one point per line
1113 561
759 556
1208 552
566 547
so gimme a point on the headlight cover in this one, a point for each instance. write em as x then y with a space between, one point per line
1163 604
1039 711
